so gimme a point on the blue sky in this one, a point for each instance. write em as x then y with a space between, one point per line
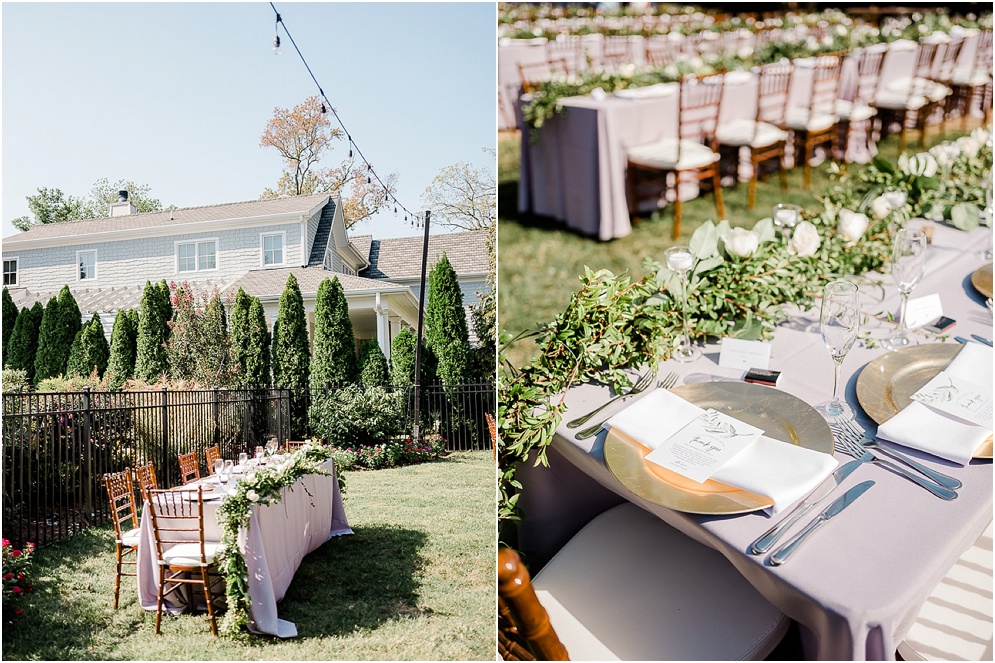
176 95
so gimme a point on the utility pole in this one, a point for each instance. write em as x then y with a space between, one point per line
421 325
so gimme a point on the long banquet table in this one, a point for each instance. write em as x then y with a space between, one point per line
857 587
278 538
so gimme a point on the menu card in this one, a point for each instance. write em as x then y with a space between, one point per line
702 447
956 396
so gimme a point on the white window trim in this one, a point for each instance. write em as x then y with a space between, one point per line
78 254
17 270
262 250
196 257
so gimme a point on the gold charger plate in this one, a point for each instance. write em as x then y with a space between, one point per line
981 279
886 384
782 416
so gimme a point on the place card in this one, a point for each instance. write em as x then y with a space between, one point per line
922 310
737 353
703 446
958 397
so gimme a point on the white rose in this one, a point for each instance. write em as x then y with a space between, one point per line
805 242
741 242
969 145
981 135
252 495
921 164
880 207
945 153
852 225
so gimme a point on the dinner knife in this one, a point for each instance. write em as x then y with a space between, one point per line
781 555
981 339
770 537
961 339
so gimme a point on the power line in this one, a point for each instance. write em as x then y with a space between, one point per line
416 218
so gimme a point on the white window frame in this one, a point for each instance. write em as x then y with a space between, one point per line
196 255
17 270
80 253
262 250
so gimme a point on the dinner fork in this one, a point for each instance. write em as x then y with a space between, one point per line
868 443
645 381
847 443
665 383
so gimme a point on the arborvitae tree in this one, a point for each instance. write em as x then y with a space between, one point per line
256 368
124 339
372 364
9 320
402 360
89 350
154 314
334 357
239 336
291 353
445 323
24 339
214 368
55 338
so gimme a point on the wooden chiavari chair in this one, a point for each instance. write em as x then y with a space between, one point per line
691 153
910 101
855 106
183 556
145 474
539 72
492 429
211 454
121 495
815 124
293 445
188 467
567 49
617 53
974 81
942 74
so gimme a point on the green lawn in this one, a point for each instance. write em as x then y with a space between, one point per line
539 261
415 582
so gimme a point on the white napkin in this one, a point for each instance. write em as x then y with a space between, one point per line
645 92
920 427
783 472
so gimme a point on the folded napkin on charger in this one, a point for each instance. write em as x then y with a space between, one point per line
921 427
783 472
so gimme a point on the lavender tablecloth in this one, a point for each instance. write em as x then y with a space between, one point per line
278 538
857 587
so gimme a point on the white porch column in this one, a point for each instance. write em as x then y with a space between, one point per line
383 326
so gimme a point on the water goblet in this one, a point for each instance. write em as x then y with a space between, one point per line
786 217
243 458
219 465
908 264
839 321
681 260
272 446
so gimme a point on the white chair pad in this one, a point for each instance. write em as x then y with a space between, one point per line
955 623
847 110
188 554
801 119
892 100
629 586
663 155
749 132
969 77
932 90
131 537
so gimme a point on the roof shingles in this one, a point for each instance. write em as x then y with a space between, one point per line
400 257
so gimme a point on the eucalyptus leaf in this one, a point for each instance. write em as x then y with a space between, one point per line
765 229
705 241
708 264
965 216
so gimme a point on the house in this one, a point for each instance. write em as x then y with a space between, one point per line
254 245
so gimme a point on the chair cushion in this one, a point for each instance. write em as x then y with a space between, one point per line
970 77
629 586
919 86
898 100
188 554
663 155
847 110
748 132
801 119
131 537
955 623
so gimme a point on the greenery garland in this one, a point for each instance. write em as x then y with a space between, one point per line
262 486
740 287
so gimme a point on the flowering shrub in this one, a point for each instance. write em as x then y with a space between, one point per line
398 452
16 564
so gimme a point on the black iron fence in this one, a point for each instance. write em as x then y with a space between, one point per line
58 446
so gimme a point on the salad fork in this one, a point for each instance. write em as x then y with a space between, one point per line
645 381
665 383
868 443
845 441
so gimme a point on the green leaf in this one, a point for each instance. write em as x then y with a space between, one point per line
883 165
965 216
705 241
765 229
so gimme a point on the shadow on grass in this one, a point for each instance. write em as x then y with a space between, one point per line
357 582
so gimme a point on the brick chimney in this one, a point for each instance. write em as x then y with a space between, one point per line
123 207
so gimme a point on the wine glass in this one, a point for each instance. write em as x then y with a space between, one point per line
839 321
681 260
243 458
908 264
786 217
272 446
219 465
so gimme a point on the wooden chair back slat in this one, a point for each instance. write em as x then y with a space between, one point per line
825 82
532 74
522 606
772 92
211 454
869 63
188 467
698 111
121 494
146 478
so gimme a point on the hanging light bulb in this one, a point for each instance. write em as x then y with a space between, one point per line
323 109
350 147
276 45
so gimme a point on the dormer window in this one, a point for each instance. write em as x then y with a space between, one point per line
272 249
10 271
87 262
197 256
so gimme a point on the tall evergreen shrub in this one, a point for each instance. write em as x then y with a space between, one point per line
372 364
89 350
402 360
9 320
124 340
257 357
59 327
445 324
334 358
239 335
24 340
291 353
154 314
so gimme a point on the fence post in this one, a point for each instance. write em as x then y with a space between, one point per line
216 411
89 455
164 411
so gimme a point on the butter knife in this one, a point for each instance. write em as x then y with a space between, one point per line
981 339
781 555
770 537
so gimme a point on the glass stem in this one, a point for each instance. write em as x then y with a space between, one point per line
836 381
684 314
903 327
